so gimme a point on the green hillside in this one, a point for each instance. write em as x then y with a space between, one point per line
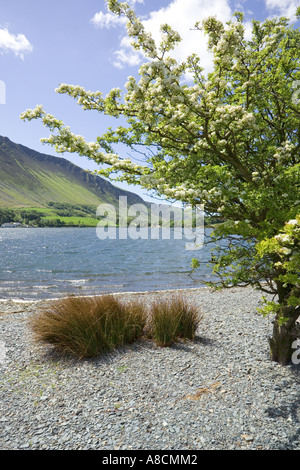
32 179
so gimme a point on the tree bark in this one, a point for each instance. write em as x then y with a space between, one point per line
284 335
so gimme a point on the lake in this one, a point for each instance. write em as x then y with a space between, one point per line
39 263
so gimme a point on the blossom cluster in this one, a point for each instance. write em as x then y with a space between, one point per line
289 239
86 99
283 153
286 246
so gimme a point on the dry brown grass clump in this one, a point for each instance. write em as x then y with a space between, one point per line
88 326
172 319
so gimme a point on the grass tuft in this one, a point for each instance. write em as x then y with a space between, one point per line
172 319
88 326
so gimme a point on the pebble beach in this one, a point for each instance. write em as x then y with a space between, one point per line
217 392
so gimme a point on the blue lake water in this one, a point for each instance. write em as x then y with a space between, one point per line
41 263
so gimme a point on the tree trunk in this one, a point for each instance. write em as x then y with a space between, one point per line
284 335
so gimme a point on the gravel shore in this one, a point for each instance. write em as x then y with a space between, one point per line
220 391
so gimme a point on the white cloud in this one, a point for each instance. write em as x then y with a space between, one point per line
282 8
181 16
126 55
18 44
248 30
107 20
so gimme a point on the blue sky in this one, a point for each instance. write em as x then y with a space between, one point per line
43 44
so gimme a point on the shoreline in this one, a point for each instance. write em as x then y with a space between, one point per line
218 392
126 293
129 294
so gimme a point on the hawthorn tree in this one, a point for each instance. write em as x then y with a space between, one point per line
228 139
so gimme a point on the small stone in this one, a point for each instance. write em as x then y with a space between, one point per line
44 398
247 438
25 446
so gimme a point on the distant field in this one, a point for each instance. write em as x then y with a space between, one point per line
48 214
86 221
67 220
43 210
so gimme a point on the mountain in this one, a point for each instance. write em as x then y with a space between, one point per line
32 179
